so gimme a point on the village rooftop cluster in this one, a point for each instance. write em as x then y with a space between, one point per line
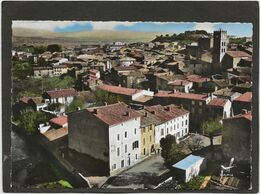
127 99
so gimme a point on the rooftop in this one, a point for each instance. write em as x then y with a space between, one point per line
119 90
148 118
237 54
179 82
115 113
197 78
247 116
166 113
220 102
60 120
62 93
124 68
55 134
182 95
224 92
246 97
187 162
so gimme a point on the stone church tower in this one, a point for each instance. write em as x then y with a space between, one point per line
220 41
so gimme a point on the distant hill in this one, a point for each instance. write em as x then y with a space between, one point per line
95 36
185 36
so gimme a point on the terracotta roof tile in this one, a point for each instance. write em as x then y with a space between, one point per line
166 113
197 78
237 54
24 99
217 102
246 97
60 120
37 100
119 90
114 113
54 134
125 68
179 82
182 95
247 116
62 93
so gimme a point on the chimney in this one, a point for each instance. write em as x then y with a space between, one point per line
145 114
153 112
105 103
167 108
95 111
127 113
119 85
181 106
78 108
244 111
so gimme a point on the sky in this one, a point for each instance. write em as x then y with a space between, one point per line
237 29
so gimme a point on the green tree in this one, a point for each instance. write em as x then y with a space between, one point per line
74 105
39 49
103 97
30 120
170 152
20 70
211 129
54 106
54 48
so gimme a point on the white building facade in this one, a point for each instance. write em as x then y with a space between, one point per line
124 145
178 127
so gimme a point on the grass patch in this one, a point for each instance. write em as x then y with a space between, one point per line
61 184
193 184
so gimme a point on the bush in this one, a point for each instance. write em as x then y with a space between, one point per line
74 105
193 184
170 152
30 120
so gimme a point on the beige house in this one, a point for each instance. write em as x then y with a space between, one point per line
148 122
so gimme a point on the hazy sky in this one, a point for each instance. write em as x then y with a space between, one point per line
238 29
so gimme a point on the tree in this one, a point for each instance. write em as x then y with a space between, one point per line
75 104
54 48
20 70
39 49
54 106
170 151
212 128
195 143
30 120
103 97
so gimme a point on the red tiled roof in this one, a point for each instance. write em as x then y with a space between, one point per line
179 82
60 120
114 113
246 97
197 78
166 113
125 68
54 134
37 100
62 93
119 90
218 102
237 54
24 99
247 116
182 95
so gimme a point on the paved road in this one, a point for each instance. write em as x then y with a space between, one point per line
154 165
139 175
